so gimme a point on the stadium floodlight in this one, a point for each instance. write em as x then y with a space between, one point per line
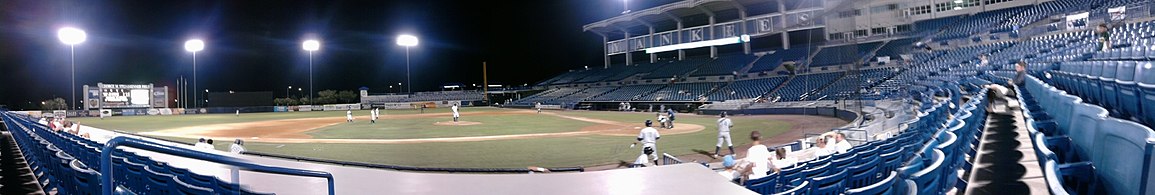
72 36
194 46
407 41
311 46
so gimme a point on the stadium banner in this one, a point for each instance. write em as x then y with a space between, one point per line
153 111
305 108
665 38
339 107
729 29
617 47
549 107
165 111
763 25
695 34
280 109
1118 13
1078 20
127 112
396 106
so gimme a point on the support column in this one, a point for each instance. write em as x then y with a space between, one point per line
745 31
653 56
605 49
681 53
782 25
713 35
629 57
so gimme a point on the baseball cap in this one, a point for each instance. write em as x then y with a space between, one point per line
649 123
728 161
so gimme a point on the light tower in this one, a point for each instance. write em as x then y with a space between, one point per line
194 46
72 36
407 41
311 45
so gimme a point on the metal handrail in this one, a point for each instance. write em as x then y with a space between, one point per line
106 161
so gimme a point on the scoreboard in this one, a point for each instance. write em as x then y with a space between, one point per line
121 96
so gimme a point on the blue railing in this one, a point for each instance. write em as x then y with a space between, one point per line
106 161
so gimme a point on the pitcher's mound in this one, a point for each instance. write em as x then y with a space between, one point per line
458 123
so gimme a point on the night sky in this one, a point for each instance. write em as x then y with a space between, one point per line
256 45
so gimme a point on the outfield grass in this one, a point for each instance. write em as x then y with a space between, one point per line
154 123
589 150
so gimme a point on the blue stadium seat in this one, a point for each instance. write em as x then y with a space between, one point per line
861 175
158 182
87 181
1107 83
1085 119
1055 183
817 170
801 188
928 177
831 184
189 189
882 187
1128 90
1092 83
1122 151
843 160
764 185
1146 83
789 175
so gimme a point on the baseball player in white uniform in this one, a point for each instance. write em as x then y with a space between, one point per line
456 115
349 116
649 138
373 116
724 125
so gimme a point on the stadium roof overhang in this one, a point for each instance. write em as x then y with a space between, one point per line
669 12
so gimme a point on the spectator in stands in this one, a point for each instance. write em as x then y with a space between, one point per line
82 132
998 92
724 125
758 156
237 147
821 148
983 60
43 121
781 160
203 144
729 172
840 144
1104 34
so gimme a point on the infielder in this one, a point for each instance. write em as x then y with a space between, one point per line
456 115
349 116
373 116
724 125
649 138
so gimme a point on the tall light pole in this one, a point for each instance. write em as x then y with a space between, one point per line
194 46
71 37
311 45
287 91
407 41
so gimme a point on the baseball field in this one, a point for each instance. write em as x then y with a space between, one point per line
484 138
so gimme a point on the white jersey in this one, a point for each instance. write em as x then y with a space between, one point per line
203 145
724 125
236 149
649 137
843 146
455 113
759 156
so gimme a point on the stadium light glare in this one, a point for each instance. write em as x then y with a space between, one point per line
194 45
72 36
310 45
407 41
691 45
